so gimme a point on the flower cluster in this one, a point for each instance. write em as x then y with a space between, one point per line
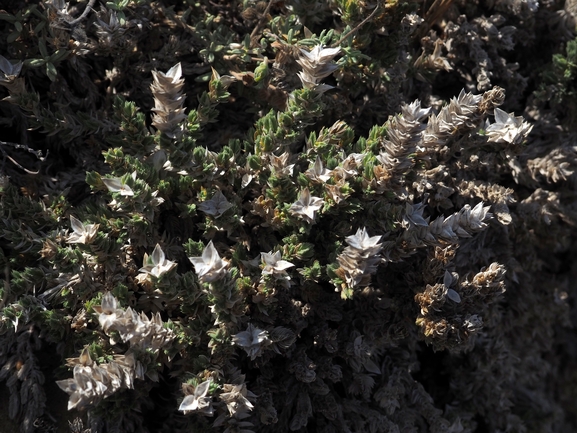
93 382
317 65
82 233
190 251
359 261
136 329
451 312
168 101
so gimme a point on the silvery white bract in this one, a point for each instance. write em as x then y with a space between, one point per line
136 329
168 101
359 261
9 71
198 401
83 233
316 61
156 264
306 206
449 279
107 23
317 172
252 340
363 243
209 267
507 128
216 206
317 65
273 265
414 215
458 113
108 310
462 224
91 382
115 184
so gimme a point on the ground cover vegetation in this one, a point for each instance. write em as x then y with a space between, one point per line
299 215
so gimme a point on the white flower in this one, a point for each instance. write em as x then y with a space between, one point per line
273 265
317 172
137 329
252 340
209 267
306 206
156 264
362 242
115 184
109 311
316 62
216 206
507 128
83 233
317 65
198 401
8 71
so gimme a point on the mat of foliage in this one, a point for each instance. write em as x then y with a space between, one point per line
298 215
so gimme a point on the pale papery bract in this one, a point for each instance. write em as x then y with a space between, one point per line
419 180
198 401
209 267
274 265
82 233
306 206
156 264
253 340
507 128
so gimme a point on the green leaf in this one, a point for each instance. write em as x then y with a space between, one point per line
51 71
7 17
261 71
39 27
34 63
94 179
12 37
42 48
58 55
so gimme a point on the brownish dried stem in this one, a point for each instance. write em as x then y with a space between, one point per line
261 21
356 29
434 14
